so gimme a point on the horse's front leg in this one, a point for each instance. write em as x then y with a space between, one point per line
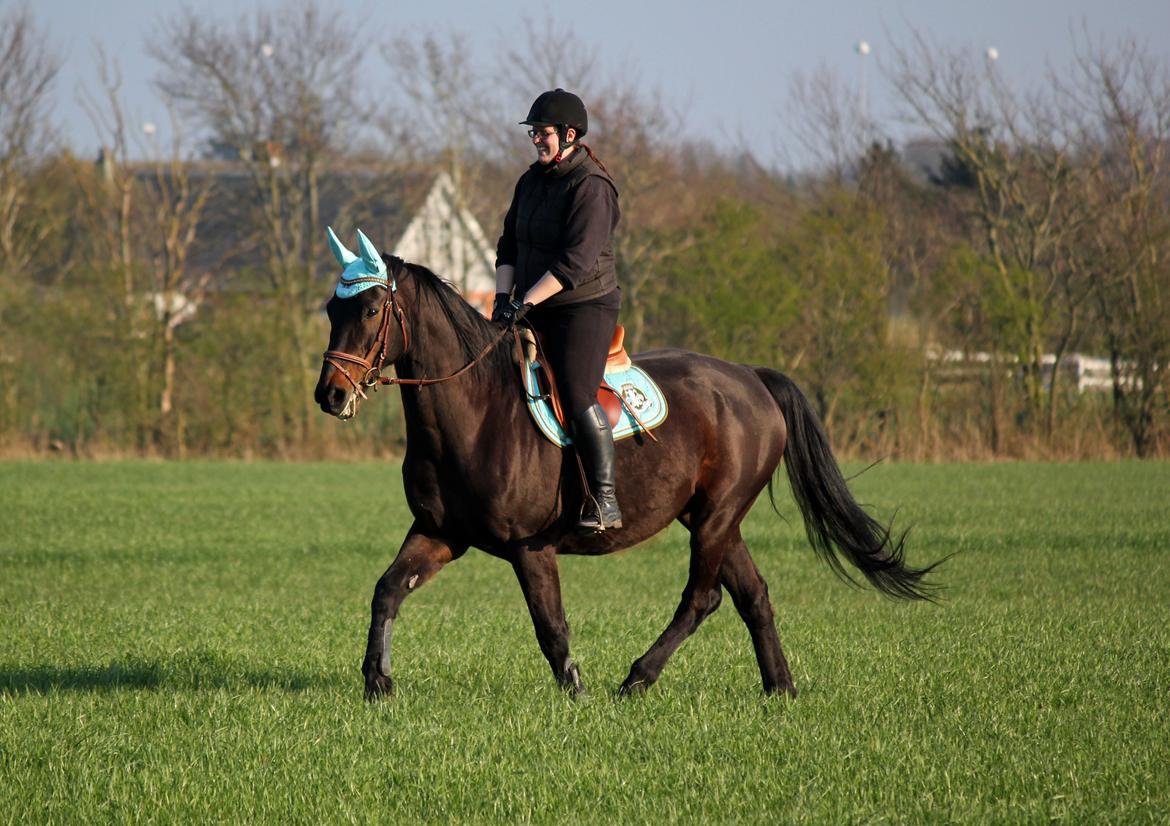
419 559
537 572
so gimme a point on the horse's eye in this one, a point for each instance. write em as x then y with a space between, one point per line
371 312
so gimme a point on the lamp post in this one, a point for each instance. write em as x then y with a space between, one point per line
150 131
862 49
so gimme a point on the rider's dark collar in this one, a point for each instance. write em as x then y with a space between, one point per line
565 166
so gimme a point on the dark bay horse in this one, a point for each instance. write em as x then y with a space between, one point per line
478 473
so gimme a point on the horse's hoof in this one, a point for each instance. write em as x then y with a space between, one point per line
635 688
378 686
570 681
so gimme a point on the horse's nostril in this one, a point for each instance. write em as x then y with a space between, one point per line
330 397
334 399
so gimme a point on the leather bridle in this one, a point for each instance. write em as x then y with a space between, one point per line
375 358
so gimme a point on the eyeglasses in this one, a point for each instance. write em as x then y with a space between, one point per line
540 133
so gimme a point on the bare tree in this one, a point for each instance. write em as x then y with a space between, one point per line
1120 99
145 216
548 54
175 198
112 201
1018 155
28 68
828 120
447 101
274 93
639 135
446 119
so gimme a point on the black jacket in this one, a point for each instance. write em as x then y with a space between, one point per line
561 221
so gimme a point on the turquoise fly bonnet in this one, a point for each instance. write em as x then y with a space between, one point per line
361 271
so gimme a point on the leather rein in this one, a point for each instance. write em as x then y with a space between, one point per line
375 358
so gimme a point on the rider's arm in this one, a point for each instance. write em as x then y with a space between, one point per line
589 225
505 278
506 248
548 286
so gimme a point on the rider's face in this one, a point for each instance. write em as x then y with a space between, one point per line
548 142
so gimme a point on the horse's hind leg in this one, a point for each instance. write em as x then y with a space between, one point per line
537 573
749 592
700 598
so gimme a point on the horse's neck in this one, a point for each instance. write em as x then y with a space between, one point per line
434 351
452 415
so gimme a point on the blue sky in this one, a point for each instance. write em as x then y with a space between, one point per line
728 64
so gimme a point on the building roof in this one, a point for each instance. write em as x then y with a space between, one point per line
416 214
444 236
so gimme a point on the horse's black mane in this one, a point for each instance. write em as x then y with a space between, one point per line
472 330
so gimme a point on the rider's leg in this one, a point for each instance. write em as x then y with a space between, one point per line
594 440
576 343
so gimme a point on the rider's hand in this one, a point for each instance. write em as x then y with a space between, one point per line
512 312
502 301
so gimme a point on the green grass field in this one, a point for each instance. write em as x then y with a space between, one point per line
181 643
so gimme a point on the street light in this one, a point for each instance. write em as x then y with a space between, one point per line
862 48
150 131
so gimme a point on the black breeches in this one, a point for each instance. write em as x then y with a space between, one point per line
576 339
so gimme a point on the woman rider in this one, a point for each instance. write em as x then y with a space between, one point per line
556 258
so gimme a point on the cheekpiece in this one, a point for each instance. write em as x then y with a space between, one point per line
362 271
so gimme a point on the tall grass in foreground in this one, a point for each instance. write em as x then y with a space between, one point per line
181 644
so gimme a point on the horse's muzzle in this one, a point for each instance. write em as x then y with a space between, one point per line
336 401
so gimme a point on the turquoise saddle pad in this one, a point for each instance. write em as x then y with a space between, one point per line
637 391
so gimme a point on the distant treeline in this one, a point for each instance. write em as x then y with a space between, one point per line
930 299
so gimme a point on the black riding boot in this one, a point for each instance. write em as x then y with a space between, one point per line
594 440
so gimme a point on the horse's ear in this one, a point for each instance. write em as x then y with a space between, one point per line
343 255
370 253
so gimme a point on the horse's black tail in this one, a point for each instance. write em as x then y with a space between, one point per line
835 523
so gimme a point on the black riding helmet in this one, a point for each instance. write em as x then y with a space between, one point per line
560 109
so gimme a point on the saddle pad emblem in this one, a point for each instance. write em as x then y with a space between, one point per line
639 393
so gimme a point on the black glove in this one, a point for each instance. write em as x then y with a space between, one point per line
502 301
512 312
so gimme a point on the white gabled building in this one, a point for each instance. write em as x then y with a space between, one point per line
445 237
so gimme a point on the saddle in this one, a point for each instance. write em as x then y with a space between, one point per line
632 401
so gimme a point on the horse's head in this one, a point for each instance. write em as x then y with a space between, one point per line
367 328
